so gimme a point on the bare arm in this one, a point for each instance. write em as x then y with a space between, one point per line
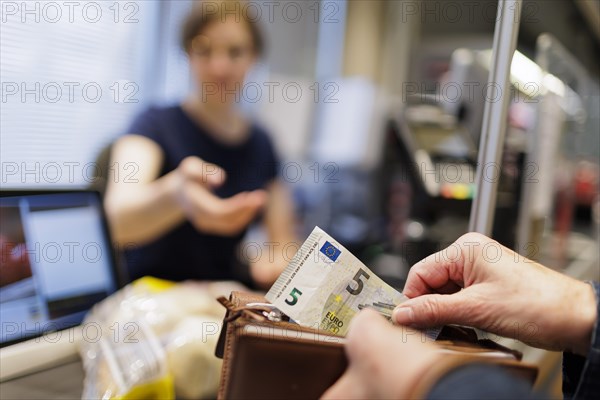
149 207
279 222
143 208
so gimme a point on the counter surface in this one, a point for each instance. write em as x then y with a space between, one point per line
61 382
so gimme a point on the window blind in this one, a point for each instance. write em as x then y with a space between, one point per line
71 76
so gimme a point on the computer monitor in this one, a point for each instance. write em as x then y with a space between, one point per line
56 262
464 94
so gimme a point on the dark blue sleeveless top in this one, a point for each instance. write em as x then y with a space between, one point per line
185 253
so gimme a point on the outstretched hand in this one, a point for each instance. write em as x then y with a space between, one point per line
207 212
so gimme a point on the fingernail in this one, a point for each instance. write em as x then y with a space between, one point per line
403 315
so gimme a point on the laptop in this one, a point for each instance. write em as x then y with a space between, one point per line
56 262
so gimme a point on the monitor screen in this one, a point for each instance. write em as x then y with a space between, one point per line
56 261
443 142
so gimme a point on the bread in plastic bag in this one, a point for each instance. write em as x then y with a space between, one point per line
156 340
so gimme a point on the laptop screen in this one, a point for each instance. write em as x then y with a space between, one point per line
56 262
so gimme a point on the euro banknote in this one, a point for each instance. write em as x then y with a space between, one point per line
325 285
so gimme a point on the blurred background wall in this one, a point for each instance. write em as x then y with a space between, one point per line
74 75
362 101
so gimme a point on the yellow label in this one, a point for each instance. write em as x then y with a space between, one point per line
154 285
159 389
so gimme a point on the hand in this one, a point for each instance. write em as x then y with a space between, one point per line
385 361
207 212
480 283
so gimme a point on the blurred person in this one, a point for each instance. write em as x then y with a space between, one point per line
468 284
205 172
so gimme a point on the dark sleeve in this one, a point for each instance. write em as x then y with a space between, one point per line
480 381
147 124
581 375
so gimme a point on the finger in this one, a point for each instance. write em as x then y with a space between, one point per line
456 263
441 272
426 277
256 198
236 212
245 203
227 209
226 216
203 200
364 334
373 346
449 288
363 338
203 172
436 310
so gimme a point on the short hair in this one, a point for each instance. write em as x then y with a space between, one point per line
205 13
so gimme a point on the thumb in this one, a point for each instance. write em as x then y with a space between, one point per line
203 172
433 310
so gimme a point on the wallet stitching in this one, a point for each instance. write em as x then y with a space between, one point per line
237 298
228 355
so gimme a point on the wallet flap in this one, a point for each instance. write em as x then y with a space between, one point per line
236 300
239 311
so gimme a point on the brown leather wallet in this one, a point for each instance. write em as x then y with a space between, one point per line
263 359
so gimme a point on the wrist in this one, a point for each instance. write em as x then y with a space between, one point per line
585 315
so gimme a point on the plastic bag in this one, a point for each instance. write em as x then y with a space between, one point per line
154 339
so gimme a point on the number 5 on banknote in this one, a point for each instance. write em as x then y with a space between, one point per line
360 284
294 294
